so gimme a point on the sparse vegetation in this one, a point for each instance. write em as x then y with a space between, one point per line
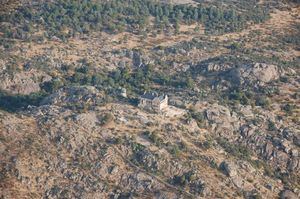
231 78
154 137
236 150
174 149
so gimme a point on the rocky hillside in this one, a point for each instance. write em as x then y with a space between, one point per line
72 72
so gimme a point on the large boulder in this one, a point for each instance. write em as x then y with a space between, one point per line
258 74
24 83
221 119
229 168
217 113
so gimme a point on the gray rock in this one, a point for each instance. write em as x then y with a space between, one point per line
113 170
139 182
222 120
258 74
247 111
246 166
237 181
147 159
247 130
296 139
229 168
212 67
270 186
166 195
268 150
294 165
287 134
215 111
199 187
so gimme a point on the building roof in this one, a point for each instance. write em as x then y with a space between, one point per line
149 95
152 96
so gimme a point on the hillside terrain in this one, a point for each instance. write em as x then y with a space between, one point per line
72 73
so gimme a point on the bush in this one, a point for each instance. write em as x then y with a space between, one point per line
136 147
262 101
52 85
271 126
199 117
284 79
239 96
174 150
154 138
237 150
184 179
288 108
107 118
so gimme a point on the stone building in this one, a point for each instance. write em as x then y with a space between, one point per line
153 102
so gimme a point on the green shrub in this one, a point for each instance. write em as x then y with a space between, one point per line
12 103
174 150
106 118
137 147
154 138
52 85
289 108
262 101
237 150
271 126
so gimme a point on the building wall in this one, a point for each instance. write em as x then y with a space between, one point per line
164 103
146 104
153 105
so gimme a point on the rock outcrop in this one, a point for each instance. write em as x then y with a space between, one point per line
221 119
255 74
229 168
75 96
24 83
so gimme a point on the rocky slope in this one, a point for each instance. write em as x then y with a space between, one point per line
66 153
231 131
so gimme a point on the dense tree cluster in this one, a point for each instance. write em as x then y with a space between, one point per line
13 103
64 18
